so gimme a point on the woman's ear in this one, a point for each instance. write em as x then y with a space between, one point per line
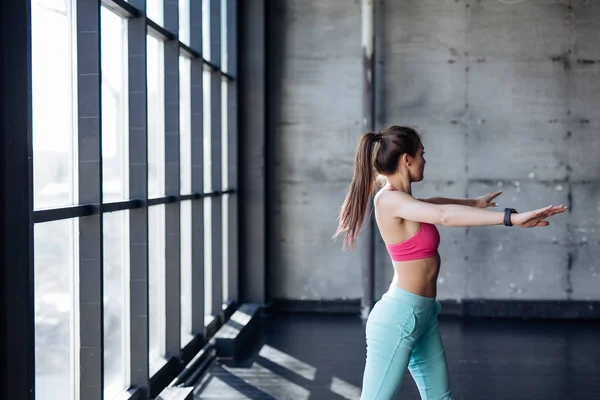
405 160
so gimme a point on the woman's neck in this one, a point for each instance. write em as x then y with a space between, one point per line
402 185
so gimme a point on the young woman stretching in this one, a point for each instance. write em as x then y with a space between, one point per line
402 329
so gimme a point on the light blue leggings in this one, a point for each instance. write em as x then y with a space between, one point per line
402 331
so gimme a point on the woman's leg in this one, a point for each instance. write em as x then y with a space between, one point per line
428 365
390 340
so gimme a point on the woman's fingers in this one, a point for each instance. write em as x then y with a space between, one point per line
555 211
544 210
551 210
538 217
492 196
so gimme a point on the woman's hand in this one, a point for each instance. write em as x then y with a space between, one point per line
534 218
486 200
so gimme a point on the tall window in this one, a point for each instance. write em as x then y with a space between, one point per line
156 117
156 188
225 184
53 100
131 132
114 67
115 185
208 287
55 176
185 143
55 323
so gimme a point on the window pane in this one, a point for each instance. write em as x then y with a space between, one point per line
224 35
184 21
207 257
185 123
54 277
206 29
225 241
156 280
114 107
156 118
207 188
116 303
186 272
155 11
206 119
53 105
225 180
224 134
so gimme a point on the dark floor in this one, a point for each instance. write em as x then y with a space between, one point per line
317 356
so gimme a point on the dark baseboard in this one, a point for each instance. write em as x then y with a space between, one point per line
523 309
469 308
316 306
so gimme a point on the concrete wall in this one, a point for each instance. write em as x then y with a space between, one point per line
506 97
316 99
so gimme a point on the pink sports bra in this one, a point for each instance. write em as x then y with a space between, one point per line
423 244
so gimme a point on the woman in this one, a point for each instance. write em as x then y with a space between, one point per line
402 329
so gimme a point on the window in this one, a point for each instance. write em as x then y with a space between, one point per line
206 29
156 118
53 122
156 279
55 173
156 188
115 150
186 272
185 142
105 91
207 188
225 185
184 21
116 303
185 124
155 10
55 295
224 17
113 53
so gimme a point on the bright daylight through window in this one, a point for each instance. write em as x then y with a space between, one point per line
128 112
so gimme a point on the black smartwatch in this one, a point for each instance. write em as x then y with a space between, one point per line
507 212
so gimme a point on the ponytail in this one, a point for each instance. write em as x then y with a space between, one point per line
352 213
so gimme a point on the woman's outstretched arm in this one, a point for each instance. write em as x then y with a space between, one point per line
403 205
480 202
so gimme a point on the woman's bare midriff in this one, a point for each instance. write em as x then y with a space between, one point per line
418 276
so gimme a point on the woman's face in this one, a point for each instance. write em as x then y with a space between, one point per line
417 165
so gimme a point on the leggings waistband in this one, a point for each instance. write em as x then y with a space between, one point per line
410 298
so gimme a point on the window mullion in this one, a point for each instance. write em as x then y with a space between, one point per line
215 165
89 316
172 182
138 189
197 124
232 148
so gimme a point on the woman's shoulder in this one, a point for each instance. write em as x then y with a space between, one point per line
386 196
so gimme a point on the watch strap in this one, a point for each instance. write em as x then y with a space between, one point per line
507 212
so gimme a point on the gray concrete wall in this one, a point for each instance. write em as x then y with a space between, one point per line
506 97
316 99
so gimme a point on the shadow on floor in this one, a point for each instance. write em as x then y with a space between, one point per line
321 357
